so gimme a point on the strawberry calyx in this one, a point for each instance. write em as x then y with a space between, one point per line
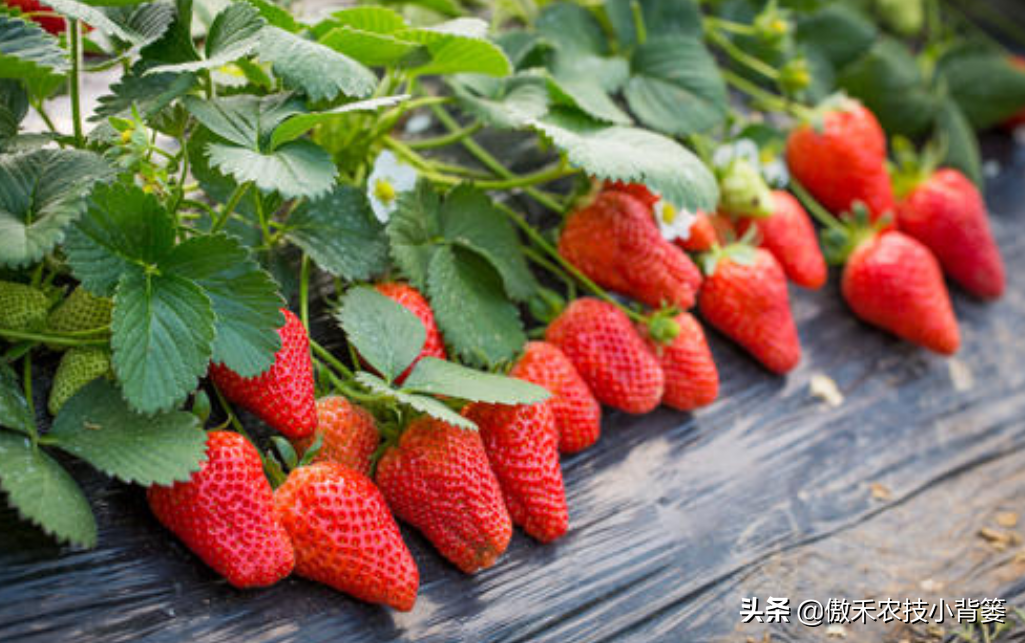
546 305
909 168
741 252
662 326
278 465
838 102
838 242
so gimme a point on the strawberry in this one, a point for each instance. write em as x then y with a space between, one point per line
692 380
522 444
615 241
745 297
790 236
577 414
344 536
638 191
282 396
77 367
22 307
702 234
437 478
350 435
414 302
609 354
947 214
54 23
225 514
842 158
81 311
894 282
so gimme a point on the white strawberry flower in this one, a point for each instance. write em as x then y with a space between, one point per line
674 223
389 178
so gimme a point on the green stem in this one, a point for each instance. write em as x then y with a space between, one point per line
736 53
75 34
55 340
551 267
331 360
546 175
304 292
264 227
638 18
350 392
27 383
815 208
771 101
731 26
229 207
230 412
447 139
41 110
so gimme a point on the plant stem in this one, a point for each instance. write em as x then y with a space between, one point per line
546 175
730 26
56 340
331 360
264 227
229 207
75 35
453 136
230 412
304 292
770 100
27 383
41 110
815 208
736 53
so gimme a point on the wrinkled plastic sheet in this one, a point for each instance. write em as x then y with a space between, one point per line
674 517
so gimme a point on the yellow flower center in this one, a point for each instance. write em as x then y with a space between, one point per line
384 191
668 213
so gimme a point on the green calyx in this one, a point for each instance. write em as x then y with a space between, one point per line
741 252
744 191
910 168
662 326
838 242
546 305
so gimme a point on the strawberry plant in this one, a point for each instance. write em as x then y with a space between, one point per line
446 185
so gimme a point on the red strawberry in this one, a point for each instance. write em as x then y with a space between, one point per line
414 302
692 381
702 235
790 236
947 214
350 435
283 396
53 23
894 282
609 354
522 444
577 414
616 242
843 159
638 191
437 478
344 536
225 514
746 298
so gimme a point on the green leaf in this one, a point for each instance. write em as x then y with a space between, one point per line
421 403
572 29
299 124
276 15
27 51
98 19
440 377
14 411
585 92
296 169
372 19
413 230
369 48
959 141
676 87
41 193
887 80
471 220
840 32
341 234
319 71
449 8
146 22
458 46
245 300
661 18
634 155
97 426
123 230
386 333
163 332
234 34
151 94
465 292
43 492
986 86
176 45
246 121
504 103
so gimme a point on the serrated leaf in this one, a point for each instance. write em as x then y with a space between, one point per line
97 426
839 31
145 22
43 492
676 87
98 19
276 15
247 121
162 337
678 18
151 94
367 47
176 45
634 155
572 28
386 334
504 103
449 8
524 48
342 235
586 93
41 193
957 138
297 125
421 403
987 87
319 71
373 19
123 230
296 169
27 51
234 34
471 220
244 297
458 46
14 411
441 377
412 229
466 296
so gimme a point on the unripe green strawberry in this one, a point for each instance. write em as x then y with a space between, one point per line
80 311
78 367
22 307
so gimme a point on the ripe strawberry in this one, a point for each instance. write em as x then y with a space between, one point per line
225 514
745 297
437 478
894 282
414 302
283 396
947 214
79 312
78 367
616 242
702 235
692 380
344 536
52 23
638 191
522 444
577 414
609 354
842 159
350 435
22 307
790 236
